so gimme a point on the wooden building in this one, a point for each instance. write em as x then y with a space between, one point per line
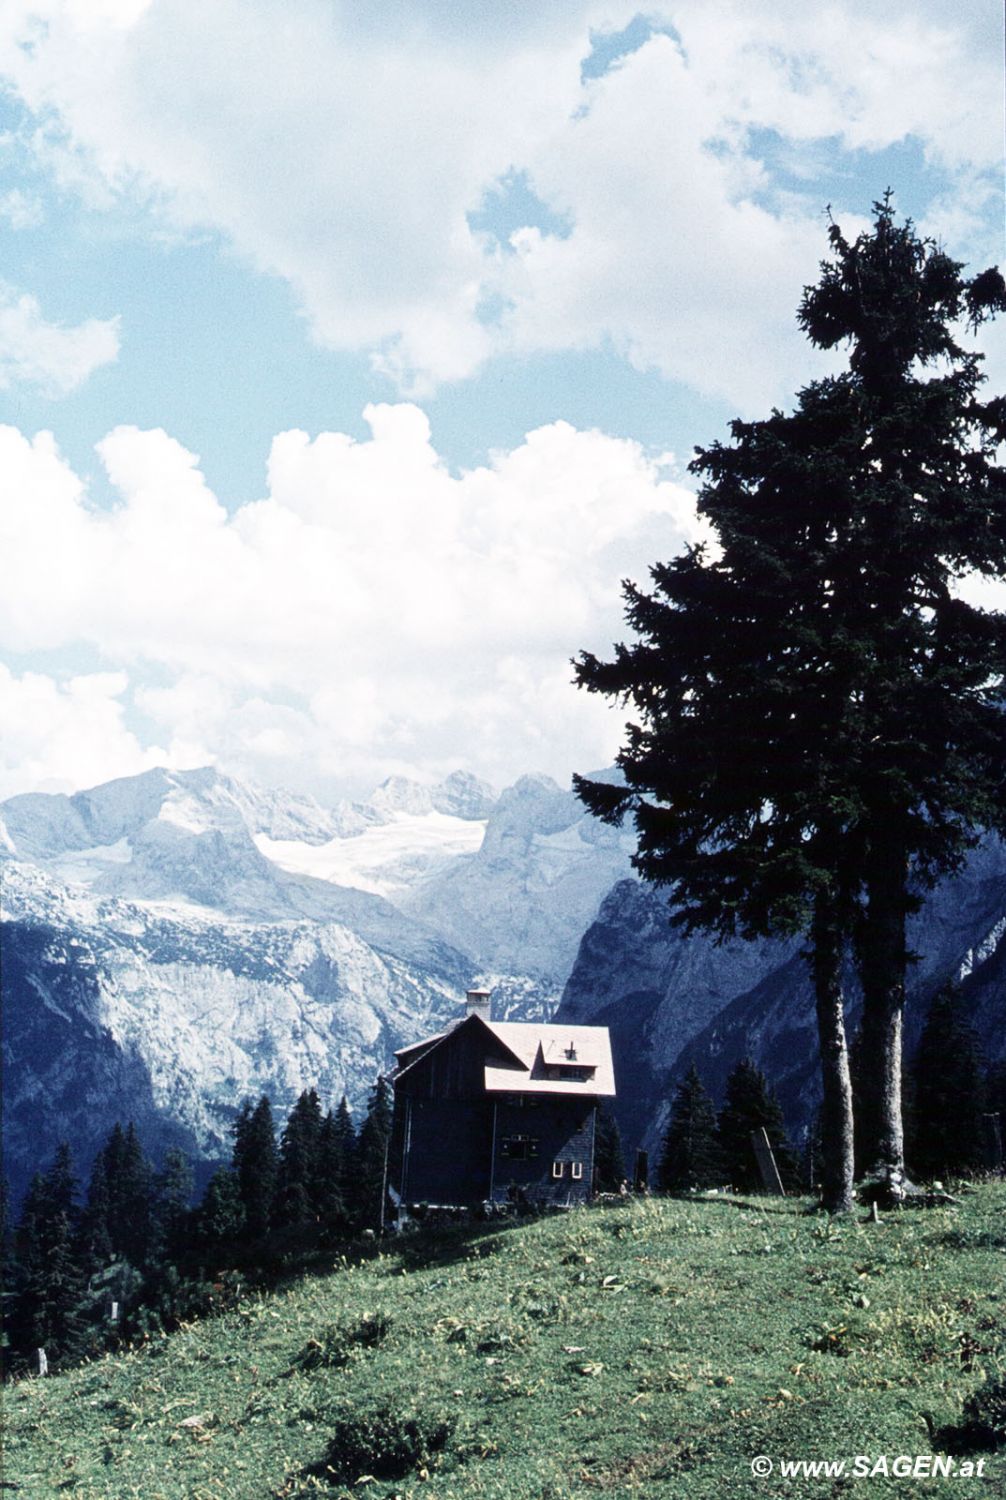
490 1111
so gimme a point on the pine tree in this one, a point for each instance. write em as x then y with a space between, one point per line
130 1179
94 1240
47 1314
691 1155
948 1078
330 1175
255 1162
346 1147
609 1159
172 1214
298 1162
750 1105
220 1219
819 721
371 1155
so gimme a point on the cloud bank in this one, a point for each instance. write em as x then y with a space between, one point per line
373 612
353 159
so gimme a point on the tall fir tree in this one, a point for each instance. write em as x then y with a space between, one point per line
130 1178
876 749
691 1156
750 1105
298 1162
172 1210
948 1092
346 1147
47 1313
329 1175
220 1218
255 1162
371 1156
94 1237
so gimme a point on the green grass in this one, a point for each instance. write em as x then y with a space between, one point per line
646 1349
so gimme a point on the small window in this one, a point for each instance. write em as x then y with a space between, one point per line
576 1171
558 1168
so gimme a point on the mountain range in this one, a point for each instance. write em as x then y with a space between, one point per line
176 942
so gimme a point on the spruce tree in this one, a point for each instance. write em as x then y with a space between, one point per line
819 727
94 1239
130 1178
255 1162
298 1162
609 1159
47 1314
371 1155
220 1219
691 1156
172 1215
749 1105
346 1148
948 1092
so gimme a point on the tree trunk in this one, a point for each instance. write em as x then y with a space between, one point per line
883 960
838 1167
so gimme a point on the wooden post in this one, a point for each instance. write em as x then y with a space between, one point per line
41 1362
766 1163
992 1142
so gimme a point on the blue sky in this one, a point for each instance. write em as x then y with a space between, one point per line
350 356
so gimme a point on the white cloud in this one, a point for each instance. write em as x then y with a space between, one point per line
60 736
344 154
374 612
20 210
57 359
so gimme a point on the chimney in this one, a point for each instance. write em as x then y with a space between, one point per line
478 1003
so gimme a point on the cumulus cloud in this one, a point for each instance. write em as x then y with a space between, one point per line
349 157
60 736
373 612
55 358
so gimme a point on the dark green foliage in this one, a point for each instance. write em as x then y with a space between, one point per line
94 1239
129 1176
385 1440
818 714
330 1174
221 1219
298 1160
371 1156
172 1211
749 1105
255 1163
609 1160
948 1092
335 1346
691 1156
985 1414
46 1314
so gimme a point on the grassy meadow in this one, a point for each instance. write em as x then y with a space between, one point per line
651 1348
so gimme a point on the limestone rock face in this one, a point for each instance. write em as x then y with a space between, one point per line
672 999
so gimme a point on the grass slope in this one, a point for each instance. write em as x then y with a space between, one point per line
651 1349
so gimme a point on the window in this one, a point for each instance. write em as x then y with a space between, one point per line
558 1168
576 1171
519 1147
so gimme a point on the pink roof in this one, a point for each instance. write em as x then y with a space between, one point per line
541 1056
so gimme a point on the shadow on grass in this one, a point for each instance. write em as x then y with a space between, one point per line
753 1203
